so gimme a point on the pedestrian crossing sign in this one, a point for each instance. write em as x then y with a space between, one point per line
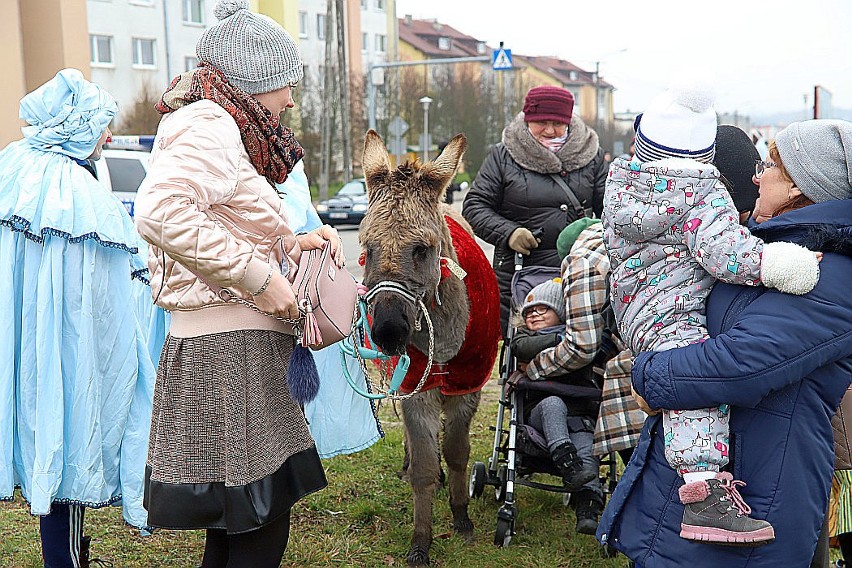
501 59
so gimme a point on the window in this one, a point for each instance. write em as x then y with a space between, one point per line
365 38
100 47
190 62
143 52
303 24
381 41
363 4
380 5
481 48
193 11
573 75
320 26
444 43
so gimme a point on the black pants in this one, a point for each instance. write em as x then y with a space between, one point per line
61 536
260 548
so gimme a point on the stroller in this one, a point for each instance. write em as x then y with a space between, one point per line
520 451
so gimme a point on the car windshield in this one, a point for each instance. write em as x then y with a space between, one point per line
126 173
352 188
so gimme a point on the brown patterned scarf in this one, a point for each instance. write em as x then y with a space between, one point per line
273 148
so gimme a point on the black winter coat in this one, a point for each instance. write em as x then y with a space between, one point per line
514 188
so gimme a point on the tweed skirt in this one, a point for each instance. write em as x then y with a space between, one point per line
228 448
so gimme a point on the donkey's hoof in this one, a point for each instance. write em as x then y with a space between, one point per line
418 556
464 528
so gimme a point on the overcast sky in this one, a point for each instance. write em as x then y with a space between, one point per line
764 56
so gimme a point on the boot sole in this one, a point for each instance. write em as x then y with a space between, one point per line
756 538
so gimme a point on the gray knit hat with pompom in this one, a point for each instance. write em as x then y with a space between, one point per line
253 51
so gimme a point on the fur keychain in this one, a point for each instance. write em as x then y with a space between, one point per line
302 375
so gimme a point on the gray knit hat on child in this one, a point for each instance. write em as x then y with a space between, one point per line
253 51
547 294
818 156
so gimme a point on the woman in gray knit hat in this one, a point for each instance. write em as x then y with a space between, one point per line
229 449
782 361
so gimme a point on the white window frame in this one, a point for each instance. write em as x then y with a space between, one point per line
190 62
141 2
136 44
381 43
380 5
321 27
187 12
304 24
92 51
445 43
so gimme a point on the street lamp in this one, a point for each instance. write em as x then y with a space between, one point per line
425 101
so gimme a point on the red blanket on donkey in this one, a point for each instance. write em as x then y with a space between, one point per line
471 368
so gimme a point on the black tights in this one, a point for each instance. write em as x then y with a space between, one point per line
260 548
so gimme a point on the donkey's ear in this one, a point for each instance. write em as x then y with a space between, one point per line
441 172
376 163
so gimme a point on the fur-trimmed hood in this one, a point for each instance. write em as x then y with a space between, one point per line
824 227
580 148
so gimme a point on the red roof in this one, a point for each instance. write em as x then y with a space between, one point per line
425 35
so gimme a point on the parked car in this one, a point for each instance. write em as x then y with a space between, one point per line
123 166
347 207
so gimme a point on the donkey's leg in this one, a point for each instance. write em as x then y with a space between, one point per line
422 416
458 412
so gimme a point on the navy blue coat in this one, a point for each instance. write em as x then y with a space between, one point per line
783 363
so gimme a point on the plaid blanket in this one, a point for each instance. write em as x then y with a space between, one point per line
620 420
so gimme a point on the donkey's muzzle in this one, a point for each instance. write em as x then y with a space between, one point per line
390 330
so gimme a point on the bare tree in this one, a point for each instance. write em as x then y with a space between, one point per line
141 117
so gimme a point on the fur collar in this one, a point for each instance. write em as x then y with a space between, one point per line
580 148
827 238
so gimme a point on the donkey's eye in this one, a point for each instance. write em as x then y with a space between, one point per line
420 251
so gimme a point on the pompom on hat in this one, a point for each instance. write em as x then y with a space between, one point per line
548 103
253 51
547 294
679 123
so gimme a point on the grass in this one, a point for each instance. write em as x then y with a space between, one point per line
363 518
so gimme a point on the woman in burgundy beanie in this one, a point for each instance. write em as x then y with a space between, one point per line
548 171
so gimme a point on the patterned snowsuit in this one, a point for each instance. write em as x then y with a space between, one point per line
672 230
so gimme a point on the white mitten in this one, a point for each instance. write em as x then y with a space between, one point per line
789 268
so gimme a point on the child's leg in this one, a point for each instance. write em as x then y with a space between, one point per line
588 500
697 441
61 536
550 417
714 511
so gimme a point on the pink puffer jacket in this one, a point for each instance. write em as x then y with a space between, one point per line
206 211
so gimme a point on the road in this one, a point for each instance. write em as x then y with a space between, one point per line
349 235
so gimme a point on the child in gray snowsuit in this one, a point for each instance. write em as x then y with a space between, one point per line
671 231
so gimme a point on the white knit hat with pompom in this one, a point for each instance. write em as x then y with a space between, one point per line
679 123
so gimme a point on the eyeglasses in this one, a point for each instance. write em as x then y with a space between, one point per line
538 310
761 166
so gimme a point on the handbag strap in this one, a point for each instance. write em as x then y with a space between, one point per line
578 207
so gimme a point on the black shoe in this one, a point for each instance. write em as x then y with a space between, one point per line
588 506
85 562
570 466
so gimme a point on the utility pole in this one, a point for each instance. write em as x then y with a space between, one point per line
327 105
343 86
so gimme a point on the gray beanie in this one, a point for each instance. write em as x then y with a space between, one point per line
253 51
818 156
547 294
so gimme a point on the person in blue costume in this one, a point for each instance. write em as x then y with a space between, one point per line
76 379
783 362
341 421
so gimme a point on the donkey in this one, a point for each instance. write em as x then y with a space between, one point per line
410 238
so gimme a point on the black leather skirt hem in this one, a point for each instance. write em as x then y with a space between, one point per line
239 509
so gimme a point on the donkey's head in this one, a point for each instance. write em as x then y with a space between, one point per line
403 234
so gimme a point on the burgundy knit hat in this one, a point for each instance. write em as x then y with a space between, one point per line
548 103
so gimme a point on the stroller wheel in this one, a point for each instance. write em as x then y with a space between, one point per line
505 527
477 480
500 490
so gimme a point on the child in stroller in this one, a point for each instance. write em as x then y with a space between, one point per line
566 423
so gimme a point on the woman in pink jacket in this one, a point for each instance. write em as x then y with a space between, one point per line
230 451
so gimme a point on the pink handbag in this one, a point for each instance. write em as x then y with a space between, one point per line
326 295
